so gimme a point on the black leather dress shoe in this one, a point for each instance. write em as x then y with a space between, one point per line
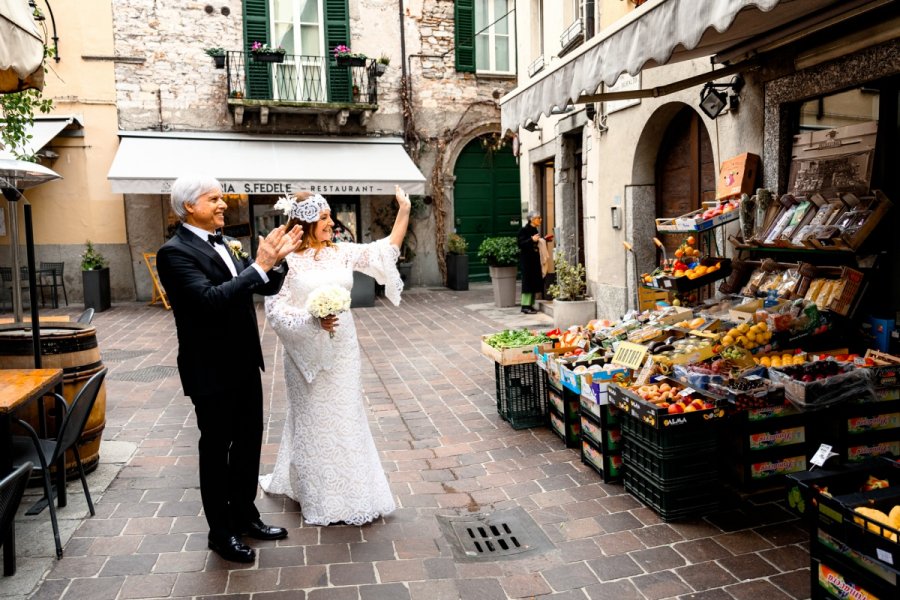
260 531
528 310
232 549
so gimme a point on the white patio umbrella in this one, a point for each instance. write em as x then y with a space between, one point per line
21 48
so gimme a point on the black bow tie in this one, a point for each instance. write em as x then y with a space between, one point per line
216 239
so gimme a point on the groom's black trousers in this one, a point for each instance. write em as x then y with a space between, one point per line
231 427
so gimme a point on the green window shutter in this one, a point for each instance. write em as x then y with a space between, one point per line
337 32
464 18
256 29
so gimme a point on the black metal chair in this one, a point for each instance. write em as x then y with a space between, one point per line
86 317
56 272
11 489
6 282
47 452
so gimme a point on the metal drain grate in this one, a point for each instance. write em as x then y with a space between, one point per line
118 355
146 375
503 534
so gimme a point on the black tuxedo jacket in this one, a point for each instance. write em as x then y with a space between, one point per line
218 336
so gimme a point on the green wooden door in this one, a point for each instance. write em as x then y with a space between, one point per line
486 199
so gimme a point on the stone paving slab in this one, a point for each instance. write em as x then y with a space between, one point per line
446 452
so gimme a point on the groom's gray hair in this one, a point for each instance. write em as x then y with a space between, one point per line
187 189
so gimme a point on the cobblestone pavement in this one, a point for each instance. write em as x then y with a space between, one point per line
433 414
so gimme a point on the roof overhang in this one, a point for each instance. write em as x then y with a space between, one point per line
148 163
666 31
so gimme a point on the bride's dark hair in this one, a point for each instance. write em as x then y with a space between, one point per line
308 239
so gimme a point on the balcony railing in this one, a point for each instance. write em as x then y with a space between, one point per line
300 79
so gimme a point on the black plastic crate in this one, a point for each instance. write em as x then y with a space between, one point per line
835 551
568 430
862 446
750 437
607 437
674 502
666 442
837 575
696 466
609 465
520 395
766 469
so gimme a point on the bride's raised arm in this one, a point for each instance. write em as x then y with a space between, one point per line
398 231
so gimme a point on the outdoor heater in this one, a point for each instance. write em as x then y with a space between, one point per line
17 175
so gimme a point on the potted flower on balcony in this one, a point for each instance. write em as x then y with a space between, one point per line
218 56
95 279
347 58
501 254
265 53
457 263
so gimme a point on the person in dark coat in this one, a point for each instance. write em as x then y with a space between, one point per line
210 282
530 261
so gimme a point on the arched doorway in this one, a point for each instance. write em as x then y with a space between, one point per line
685 170
486 197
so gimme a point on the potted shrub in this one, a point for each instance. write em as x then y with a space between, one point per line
571 306
381 66
347 58
265 53
457 263
95 279
501 254
218 56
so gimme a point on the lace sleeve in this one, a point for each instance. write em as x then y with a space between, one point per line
379 260
298 330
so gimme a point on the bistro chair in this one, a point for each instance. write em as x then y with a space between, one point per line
6 282
53 272
47 452
11 489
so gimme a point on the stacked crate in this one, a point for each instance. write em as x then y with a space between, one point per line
520 394
851 554
762 445
563 413
674 470
601 437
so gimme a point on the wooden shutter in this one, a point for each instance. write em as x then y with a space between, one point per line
256 29
464 18
337 32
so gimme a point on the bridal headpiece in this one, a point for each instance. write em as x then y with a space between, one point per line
307 210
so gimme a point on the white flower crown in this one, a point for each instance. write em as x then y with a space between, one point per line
307 211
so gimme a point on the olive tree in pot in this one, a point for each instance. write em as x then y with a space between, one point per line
95 279
571 306
501 254
457 263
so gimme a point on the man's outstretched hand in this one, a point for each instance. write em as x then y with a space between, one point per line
278 244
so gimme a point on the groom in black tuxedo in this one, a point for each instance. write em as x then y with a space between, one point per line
210 285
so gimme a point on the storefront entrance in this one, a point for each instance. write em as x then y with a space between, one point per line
486 198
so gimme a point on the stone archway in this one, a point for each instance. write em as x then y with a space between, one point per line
640 196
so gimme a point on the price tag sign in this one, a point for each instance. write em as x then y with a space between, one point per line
753 378
687 391
645 373
629 355
822 454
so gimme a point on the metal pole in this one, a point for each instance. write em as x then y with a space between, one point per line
32 286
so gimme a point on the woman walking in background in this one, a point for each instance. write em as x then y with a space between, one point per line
530 261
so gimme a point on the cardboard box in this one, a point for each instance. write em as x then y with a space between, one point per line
648 297
737 176
744 313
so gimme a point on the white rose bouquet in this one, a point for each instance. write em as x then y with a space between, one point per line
327 301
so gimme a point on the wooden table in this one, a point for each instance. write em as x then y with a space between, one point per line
18 387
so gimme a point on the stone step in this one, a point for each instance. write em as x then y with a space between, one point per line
545 306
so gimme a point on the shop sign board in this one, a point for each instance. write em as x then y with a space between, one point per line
625 83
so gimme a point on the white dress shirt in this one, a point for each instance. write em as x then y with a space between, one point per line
223 251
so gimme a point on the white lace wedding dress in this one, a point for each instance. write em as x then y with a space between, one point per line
327 460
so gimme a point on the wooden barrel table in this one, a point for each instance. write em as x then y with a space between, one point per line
73 348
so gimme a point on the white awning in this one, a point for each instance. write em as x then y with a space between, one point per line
148 163
44 129
21 48
656 33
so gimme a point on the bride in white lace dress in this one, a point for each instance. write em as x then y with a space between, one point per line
327 460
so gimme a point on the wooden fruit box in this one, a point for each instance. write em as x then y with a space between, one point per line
511 356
